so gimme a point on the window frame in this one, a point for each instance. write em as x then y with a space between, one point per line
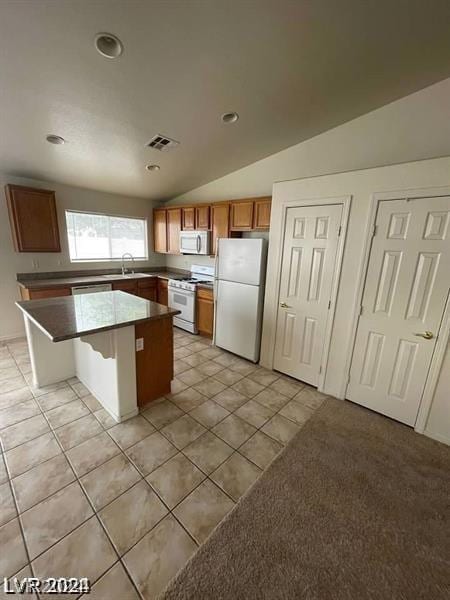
68 211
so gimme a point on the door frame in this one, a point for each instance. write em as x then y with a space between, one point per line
441 341
278 225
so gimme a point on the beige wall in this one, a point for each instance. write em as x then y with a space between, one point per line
66 197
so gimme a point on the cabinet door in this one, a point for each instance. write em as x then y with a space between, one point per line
261 213
173 230
220 223
205 312
33 218
163 297
125 286
160 230
242 216
148 293
188 218
202 217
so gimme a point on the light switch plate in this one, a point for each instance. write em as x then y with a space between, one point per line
139 344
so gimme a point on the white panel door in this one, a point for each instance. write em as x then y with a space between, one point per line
405 292
307 273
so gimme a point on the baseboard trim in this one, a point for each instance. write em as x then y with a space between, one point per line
444 439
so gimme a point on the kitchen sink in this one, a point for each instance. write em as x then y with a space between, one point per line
127 276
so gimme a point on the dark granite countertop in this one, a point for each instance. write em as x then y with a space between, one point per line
54 282
75 316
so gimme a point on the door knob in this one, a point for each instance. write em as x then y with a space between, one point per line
428 335
284 305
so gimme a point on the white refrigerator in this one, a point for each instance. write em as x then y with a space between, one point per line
239 295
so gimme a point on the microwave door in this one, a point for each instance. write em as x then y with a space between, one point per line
189 244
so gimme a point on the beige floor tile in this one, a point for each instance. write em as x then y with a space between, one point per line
9 373
46 389
261 449
236 475
234 431
280 429
211 353
65 414
254 413
114 584
296 412
109 480
151 452
80 389
191 377
183 431
175 479
310 397
78 431
25 572
228 377
7 506
225 359
203 509
288 387
42 481
18 413
158 557
31 453
92 453
230 399
18 434
14 397
14 384
181 353
92 403
86 552
3 472
195 360
264 376
271 399
248 387
210 387
197 346
132 515
162 414
188 399
208 452
131 432
57 398
7 363
209 368
15 558
52 519
105 418
181 365
176 386
209 413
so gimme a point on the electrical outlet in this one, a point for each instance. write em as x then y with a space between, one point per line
139 344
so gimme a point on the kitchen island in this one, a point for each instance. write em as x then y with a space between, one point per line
120 346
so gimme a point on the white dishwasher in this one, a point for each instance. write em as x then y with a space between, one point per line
91 289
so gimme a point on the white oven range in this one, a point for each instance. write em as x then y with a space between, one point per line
182 296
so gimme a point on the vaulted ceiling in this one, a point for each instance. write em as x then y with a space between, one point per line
290 68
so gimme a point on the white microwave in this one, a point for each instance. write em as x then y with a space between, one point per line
194 242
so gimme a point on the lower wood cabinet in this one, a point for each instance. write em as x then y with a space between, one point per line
162 292
205 312
27 294
126 286
147 289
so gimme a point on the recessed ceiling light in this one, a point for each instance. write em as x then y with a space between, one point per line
108 45
55 139
230 117
153 167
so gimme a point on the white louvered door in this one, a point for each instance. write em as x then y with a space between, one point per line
406 288
307 273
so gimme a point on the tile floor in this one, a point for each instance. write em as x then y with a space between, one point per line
127 504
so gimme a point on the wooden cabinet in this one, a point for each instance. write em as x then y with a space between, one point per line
241 216
33 218
261 213
162 292
129 286
173 230
147 288
220 223
205 312
160 230
27 294
202 217
188 218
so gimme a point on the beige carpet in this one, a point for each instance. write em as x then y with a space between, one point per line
356 507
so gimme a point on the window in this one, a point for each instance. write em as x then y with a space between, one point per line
105 237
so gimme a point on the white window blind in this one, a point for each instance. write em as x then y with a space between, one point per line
105 237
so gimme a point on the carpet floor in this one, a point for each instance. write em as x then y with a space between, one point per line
356 507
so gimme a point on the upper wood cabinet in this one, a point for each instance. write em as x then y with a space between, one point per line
160 230
220 223
202 217
261 213
242 216
188 216
33 218
173 230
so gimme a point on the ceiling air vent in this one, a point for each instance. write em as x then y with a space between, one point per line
163 143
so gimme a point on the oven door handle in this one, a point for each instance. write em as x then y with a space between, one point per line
199 244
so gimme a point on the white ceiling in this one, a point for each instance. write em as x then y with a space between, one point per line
290 68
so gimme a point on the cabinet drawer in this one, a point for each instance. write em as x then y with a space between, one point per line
125 286
48 293
205 294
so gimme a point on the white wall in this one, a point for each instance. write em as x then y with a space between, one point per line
12 262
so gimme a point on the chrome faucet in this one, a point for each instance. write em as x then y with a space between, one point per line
124 269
